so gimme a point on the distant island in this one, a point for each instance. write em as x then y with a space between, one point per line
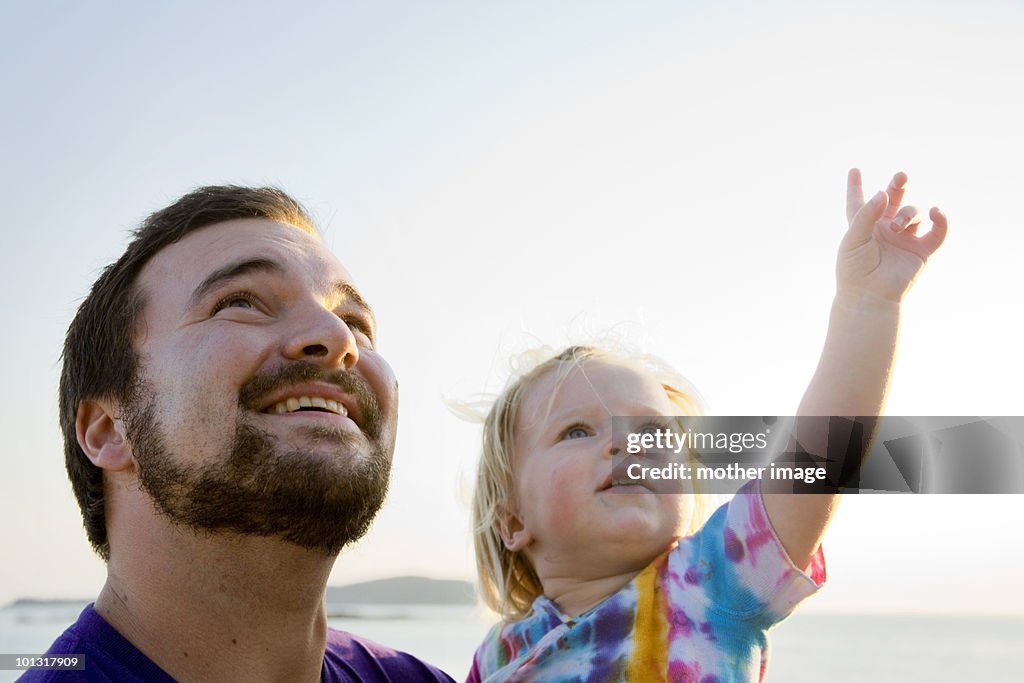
44 602
403 590
397 590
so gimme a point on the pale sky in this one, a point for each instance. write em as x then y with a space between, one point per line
497 175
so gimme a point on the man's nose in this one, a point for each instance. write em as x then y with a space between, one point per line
320 336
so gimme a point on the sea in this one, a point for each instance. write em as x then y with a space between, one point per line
806 648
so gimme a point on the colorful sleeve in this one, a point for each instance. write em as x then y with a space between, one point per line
474 673
747 572
489 657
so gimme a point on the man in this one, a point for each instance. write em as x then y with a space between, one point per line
228 429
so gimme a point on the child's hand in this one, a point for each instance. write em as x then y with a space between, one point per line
881 253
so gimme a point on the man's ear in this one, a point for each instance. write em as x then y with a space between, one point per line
512 531
101 435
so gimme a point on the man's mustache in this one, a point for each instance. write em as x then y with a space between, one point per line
254 391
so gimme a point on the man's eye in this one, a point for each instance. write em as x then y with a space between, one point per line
242 300
359 325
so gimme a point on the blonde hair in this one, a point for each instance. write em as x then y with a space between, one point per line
508 582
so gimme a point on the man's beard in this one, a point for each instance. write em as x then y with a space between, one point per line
315 500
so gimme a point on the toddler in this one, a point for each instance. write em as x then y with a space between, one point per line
598 581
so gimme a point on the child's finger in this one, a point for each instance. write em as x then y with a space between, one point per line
940 225
854 194
863 223
897 186
906 219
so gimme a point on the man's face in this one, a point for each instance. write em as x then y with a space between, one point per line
261 406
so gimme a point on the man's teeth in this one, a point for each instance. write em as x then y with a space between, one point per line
293 404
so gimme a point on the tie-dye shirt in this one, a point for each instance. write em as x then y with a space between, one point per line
698 613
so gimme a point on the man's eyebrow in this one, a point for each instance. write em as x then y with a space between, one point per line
350 293
230 272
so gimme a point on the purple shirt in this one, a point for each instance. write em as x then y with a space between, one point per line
110 657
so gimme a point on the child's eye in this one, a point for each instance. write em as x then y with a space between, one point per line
243 300
653 428
577 431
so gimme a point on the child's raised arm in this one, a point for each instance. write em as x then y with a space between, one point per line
879 258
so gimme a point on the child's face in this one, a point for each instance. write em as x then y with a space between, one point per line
567 512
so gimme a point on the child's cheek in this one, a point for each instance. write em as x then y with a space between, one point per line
564 502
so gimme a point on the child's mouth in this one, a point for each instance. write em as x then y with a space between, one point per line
622 486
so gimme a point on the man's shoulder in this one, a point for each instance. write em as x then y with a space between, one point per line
110 657
68 643
107 655
352 658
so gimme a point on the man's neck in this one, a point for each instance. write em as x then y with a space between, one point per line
221 607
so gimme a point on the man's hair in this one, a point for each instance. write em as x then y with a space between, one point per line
508 582
99 356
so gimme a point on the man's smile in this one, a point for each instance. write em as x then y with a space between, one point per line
292 405
314 399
